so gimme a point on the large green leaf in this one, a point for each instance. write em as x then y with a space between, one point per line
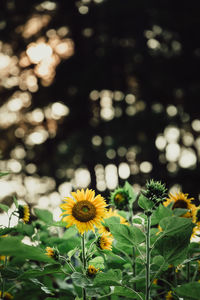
160 213
44 215
97 262
80 279
127 235
189 291
12 246
110 278
49 269
145 203
173 248
127 292
173 225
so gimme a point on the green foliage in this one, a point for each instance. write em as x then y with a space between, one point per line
110 278
121 272
12 246
145 203
189 291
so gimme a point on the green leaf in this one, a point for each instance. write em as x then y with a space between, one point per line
6 230
49 269
127 235
111 278
59 224
173 225
12 246
130 191
97 262
15 201
4 207
80 279
42 286
127 292
4 174
158 260
190 291
145 203
72 252
173 248
25 229
160 213
44 215
179 211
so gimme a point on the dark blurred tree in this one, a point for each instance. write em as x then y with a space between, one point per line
132 72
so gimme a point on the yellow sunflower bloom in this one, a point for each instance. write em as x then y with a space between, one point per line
169 296
92 271
111 213
51 252
24 213
6 296
181 200
85 210
105 242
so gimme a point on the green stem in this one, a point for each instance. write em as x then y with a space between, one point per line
68 263
147 291
188 271
84 263
134 268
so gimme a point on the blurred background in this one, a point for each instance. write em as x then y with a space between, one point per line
97 92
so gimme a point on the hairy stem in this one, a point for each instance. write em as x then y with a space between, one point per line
84 263
147 291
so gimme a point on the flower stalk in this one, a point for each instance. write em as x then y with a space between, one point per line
147 290
84 263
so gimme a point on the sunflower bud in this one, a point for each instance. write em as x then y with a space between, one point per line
120 198
155 192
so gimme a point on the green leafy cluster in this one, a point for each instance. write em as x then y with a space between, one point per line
122 272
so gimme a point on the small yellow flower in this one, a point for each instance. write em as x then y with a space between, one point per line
159 230
6 296
105 242
155 281
181 200
51 252
24 213
111 213
169 296
85 210
2 258
92 271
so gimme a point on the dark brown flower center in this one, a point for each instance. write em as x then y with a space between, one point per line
180 204
107 228
84 211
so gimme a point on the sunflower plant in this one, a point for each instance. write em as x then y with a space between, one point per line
103 248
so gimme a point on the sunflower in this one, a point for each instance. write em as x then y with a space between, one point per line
111 213
51 252
169 296
6 296
104 242
120 198
197 217
24 213
181 200
85 211
92 271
